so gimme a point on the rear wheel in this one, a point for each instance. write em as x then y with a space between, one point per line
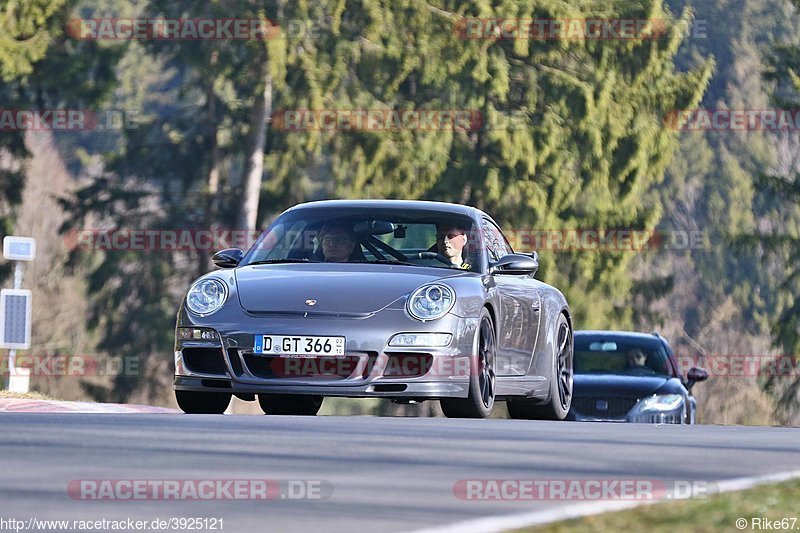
290 404
560 384
195 402
482 379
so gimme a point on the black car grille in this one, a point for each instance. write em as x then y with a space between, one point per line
407 365
592 406
329 368
204 360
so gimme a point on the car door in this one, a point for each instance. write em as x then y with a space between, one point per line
520 309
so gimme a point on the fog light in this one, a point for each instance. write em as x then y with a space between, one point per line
197 334
421 339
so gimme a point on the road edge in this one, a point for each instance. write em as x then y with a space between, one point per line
496 524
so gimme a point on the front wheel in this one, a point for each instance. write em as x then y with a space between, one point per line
482 379
290 404
195 402
560 382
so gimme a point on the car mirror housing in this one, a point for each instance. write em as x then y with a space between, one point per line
516 264
696 375
374 227
228 258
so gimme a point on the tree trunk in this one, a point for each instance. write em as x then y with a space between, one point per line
255 161
212 200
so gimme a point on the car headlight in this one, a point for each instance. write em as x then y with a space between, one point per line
206 296
430 302
659 409
665 402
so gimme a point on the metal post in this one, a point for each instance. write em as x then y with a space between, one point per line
12 353
19 271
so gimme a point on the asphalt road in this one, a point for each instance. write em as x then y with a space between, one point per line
375 474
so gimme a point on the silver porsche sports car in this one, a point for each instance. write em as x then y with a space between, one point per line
405 300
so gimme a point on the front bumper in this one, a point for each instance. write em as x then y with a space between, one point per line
654 418
620 409
369 368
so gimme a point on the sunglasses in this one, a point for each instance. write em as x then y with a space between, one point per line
336 239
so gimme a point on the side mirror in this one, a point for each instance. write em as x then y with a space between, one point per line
516 264
696 375
228 258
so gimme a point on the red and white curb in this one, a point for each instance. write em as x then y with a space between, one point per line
22 405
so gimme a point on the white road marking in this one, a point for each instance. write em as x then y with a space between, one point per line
496 524
23 405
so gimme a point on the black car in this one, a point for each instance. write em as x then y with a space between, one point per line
630 377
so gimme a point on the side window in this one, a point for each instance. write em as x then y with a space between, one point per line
496 243
489 240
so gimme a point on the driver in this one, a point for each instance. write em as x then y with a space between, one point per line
637 360
450 242
338 243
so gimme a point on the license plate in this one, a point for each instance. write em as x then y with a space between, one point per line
298 346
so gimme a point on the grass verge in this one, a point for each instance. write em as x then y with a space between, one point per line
774 502
24 395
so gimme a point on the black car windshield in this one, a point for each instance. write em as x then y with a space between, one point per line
380 236
621 355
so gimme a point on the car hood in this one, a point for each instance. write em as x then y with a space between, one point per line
607 385
343 289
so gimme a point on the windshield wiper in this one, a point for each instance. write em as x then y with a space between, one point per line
278 261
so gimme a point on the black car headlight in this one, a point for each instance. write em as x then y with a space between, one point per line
206 296
430 302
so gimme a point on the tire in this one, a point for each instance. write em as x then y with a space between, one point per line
560 384
482 379
290 404
210 403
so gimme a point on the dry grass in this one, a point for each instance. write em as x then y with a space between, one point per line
24 395
776 503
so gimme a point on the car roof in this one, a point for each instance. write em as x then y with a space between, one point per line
627 335
415 205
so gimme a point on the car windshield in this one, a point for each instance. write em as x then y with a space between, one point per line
617 355
380 236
